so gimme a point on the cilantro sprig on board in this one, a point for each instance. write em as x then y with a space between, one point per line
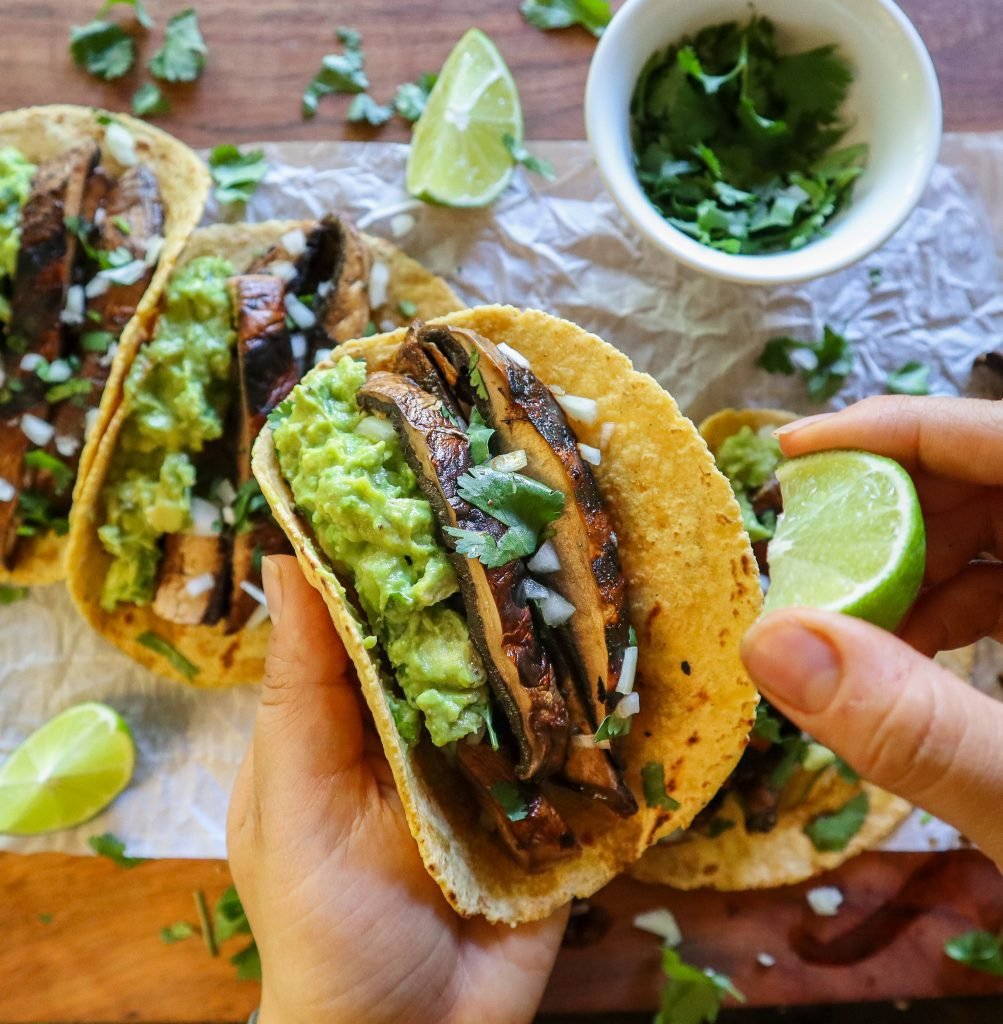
735 143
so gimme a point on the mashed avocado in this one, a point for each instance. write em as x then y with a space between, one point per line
176 397
15 184
369 515
748 460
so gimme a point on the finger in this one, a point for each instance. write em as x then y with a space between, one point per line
960 611
309 725
898 718
956 438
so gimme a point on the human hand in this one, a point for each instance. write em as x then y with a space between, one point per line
349 925
896 717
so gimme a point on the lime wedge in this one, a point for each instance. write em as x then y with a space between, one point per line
851 538
457 154
66 771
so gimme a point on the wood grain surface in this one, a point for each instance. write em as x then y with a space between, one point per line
81 937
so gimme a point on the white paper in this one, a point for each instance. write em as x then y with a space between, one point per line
562 247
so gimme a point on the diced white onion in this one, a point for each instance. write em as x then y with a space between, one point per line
375 428
625 684
205 518
294 242
630 705
401 224
256 592
73 311
226 492
30 362
37 430
556 389
100 216
387 325
298 343
816 758
584 739
152 252
825 900
120 143
3 377
545 560
509 462
282 269
533 591
7 490
593 456
96 286
324 287
379 278
555 610
128 273
58 372
67 446
320 355
200 584
109 356
514 354
301 315
257 617
661 922
765 960
584 410
228 515
89 420
606 432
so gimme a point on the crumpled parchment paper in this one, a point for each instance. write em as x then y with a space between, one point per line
933 293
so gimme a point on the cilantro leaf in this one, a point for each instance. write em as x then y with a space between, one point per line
113 848
350 38
480 438
62 475
96 341
176 932
11 595
593 15
156 643
691 995
412 97
979 950
148 99
142 14
911 379
39 516
515 543
521 155
364 109
102 48
339 73
248 963
833 832
513 803
229 918
653 780
68 389
513 499
236 174
280 412
476 378
823 365
718 826
611 727
182 57
249 504
845 772
407 308
767 727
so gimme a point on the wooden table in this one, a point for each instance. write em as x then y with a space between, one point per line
81 937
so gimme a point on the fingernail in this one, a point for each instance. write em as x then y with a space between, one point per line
793 663
805 421
271 580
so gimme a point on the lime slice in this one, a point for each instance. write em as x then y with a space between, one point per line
457 154
66 771
851 538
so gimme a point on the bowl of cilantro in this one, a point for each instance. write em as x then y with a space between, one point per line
764 143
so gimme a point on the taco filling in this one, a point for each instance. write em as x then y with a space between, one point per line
453 501
184 520
78 247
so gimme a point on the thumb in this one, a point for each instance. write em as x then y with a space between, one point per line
897 718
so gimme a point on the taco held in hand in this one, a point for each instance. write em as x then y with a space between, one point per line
169 533
94 209
790 809
542 582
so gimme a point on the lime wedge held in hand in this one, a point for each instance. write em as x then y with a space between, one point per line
457 154
66 771
851 538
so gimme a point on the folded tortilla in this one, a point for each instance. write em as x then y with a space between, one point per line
738 859
693 590
44 132
221 659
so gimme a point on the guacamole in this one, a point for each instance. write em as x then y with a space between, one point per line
370 517
748 460
16 174
176 398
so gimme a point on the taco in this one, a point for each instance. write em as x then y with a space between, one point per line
791 809
94 209
168 534
542 582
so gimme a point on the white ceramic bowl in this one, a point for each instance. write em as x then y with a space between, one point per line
893 105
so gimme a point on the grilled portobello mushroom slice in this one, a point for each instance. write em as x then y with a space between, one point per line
526 821
437 378
501 624
187 558
525 415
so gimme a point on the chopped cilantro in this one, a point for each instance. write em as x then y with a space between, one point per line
611 727
653 780
123 225
182 57
38 515
248 963
521 155
11 595
513 803
407 308
412 97
489 727
593 15
349 37
718 826
369 330
176 932
476 380
229 918
142 14
62 475
480 438
691 995
833 832
979 950
767 727
280 412
794 749
845 772
96 341
102 48
364 109
823 365
248 505
874 276
68 389
632 638
148 100
113 848
911 379
257 553
339 73
236 174
156 643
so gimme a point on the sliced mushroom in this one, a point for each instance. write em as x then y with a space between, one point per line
526 821
187 560
525 415
501 624
437 378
